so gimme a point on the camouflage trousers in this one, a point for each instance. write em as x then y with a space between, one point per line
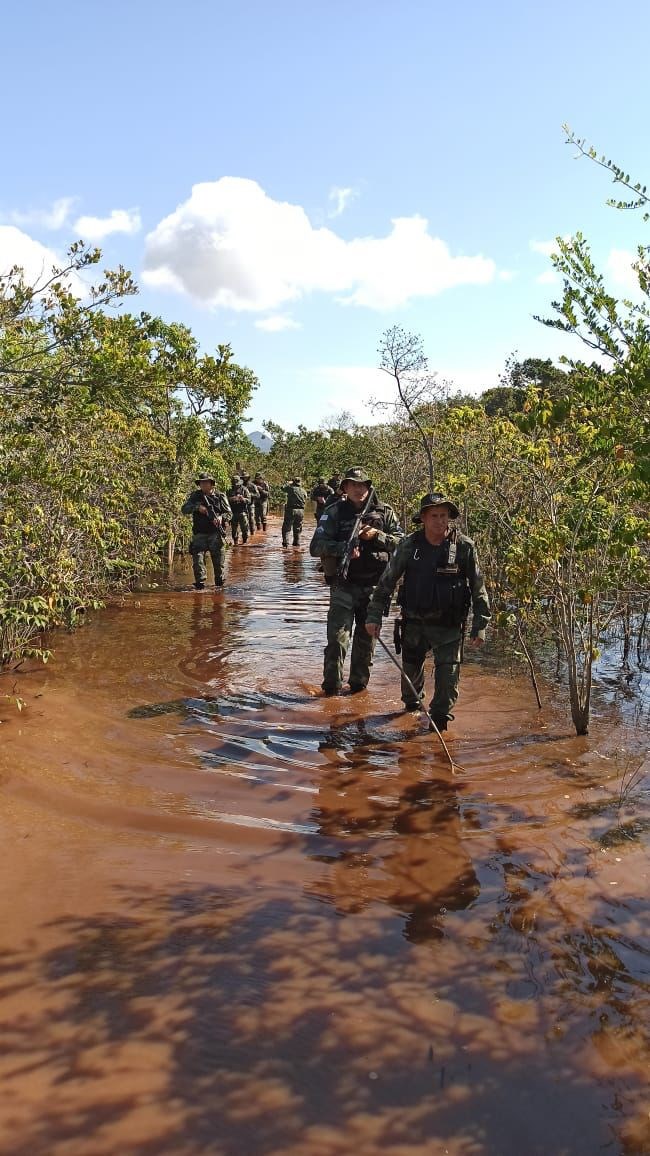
418 638
207 543
348 608
240 522
293 520
261 512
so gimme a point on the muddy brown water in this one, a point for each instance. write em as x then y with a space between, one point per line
242 919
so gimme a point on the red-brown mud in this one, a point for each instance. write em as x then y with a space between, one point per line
242 919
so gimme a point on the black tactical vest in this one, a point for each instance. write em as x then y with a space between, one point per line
435 585
203 523
369 567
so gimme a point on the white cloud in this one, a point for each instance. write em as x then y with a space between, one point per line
233 246
341 198
619 268
37 261
277 323
53 218
548 277
507 274
119 221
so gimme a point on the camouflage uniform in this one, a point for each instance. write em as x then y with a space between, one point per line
206 537
435 597
261 502
252 491
349 597
239 499
294 512
319 496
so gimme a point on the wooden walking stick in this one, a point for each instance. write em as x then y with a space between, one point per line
421 705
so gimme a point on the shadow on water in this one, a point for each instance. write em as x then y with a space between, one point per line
275 1025
382 959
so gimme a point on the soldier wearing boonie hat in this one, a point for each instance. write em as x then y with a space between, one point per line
441 579
210 514
350 593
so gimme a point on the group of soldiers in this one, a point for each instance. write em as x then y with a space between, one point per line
243 509
364 556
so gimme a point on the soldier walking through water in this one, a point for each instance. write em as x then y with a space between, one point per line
261 501
352 564
211 514
239 499
441 580
294 511
252 494
319 495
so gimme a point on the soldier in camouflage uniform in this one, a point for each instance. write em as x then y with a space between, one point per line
239 499
349 597
210 515
441 580
319 495
261 501
294 512
252 490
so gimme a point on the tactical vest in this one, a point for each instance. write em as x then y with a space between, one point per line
435 584
367 569
202 523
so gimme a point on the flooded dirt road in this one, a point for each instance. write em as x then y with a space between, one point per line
241 919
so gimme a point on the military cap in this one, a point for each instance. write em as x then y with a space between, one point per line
205 478
356 474
296 481
430 500
236 480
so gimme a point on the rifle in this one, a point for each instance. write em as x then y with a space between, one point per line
352 541
215 516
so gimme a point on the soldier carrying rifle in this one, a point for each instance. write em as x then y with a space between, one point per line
354 538
211 514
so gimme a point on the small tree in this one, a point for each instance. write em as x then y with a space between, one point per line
402 357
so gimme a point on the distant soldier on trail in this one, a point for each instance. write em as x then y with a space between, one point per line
334 484
261 501
294 511
441 580
252 490
239 498
211 514
320 493
354 539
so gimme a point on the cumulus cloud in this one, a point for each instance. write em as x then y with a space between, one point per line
340 199
37 261
119 221
233 246
53 218
276 323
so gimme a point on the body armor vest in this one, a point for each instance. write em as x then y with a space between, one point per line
369 567
203 523
435 585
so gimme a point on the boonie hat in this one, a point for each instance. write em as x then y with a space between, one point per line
356 474
205 478
430 500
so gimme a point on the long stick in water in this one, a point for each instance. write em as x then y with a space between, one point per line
421 705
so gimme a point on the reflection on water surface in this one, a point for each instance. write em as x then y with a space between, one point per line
244 919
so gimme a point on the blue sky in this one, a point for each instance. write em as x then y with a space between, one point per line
296 177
